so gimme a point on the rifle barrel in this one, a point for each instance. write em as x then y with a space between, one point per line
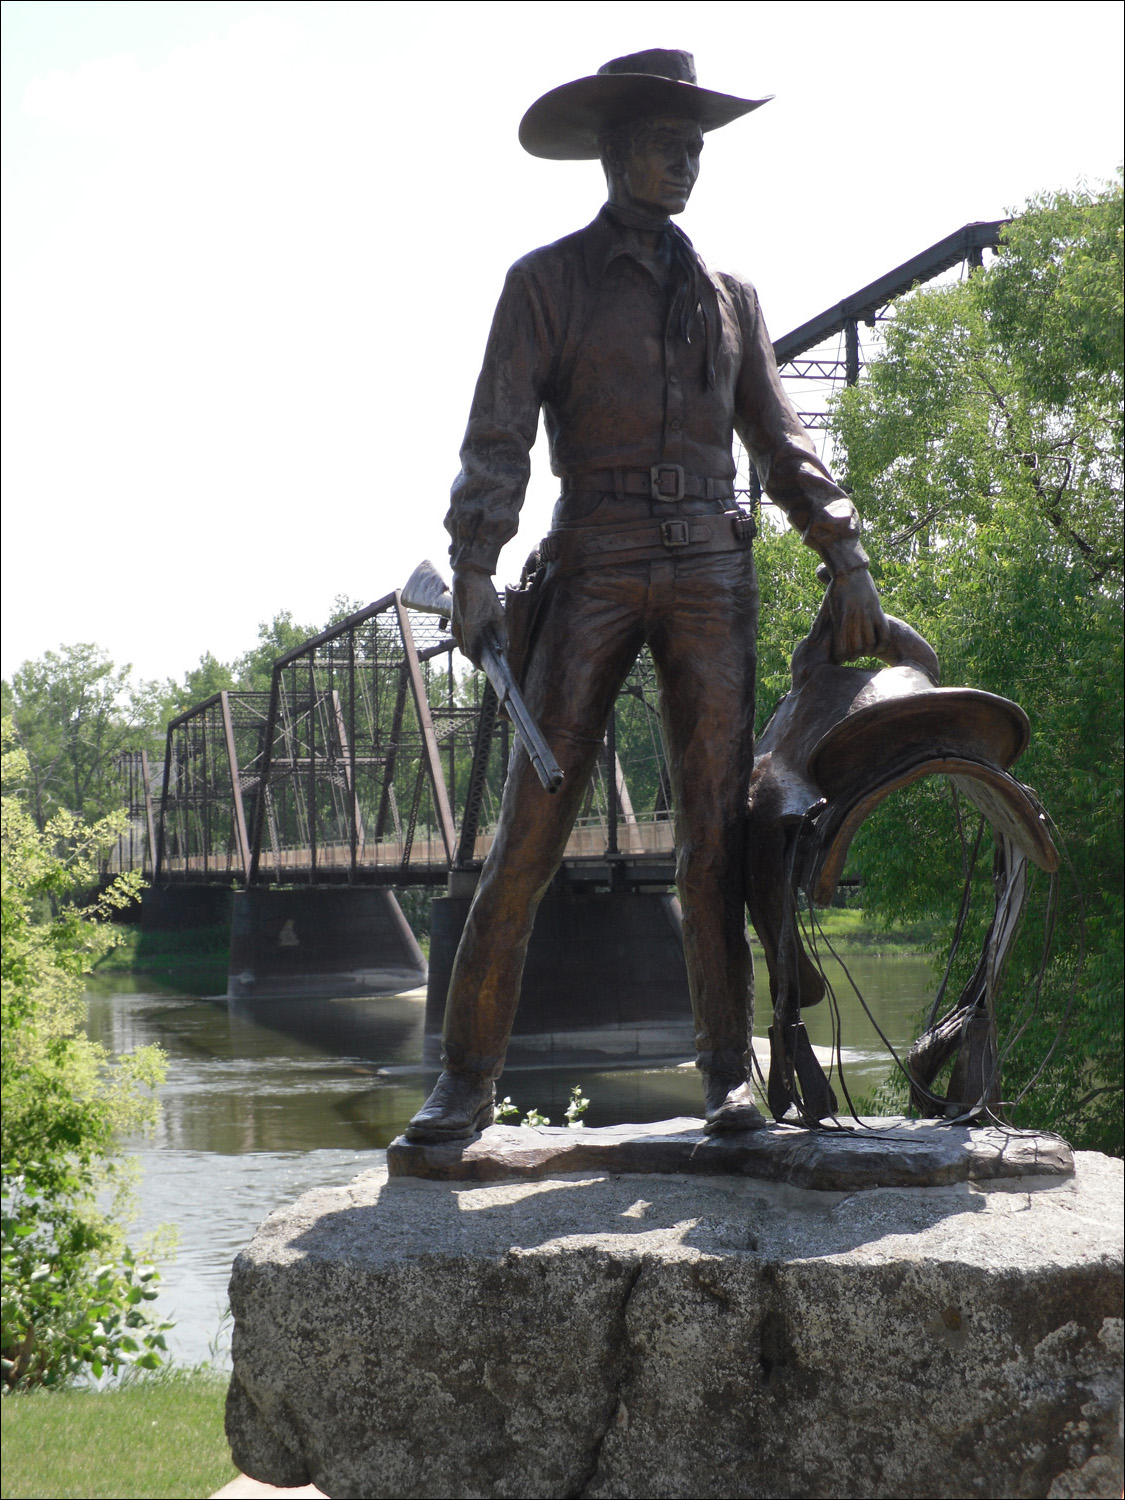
425 590
499 673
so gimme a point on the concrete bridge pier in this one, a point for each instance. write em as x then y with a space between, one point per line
320 942
179 908
604 983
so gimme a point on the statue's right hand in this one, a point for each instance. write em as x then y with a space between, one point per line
478 619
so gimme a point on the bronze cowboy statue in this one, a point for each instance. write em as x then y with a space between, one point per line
645 365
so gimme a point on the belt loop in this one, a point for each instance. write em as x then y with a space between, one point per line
619 483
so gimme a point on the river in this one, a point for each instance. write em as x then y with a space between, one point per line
263 1101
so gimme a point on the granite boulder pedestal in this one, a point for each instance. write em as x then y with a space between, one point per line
556 1322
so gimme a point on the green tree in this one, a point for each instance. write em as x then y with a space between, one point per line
254 668
211 676
74 712
73 1294
790 597
984 447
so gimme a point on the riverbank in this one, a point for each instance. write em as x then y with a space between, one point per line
195 960
160 1436
851 931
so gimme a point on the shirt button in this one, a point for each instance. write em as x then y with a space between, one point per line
675 424
652 291
673 380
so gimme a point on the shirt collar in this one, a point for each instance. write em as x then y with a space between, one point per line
602 242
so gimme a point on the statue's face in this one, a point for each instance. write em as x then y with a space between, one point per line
660 167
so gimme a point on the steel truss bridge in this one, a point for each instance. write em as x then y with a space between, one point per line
812 352
373 760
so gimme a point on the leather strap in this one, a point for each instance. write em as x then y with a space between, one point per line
661 482
643 541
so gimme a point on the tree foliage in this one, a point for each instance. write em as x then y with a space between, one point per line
74 1297
253 670
74 712
984 448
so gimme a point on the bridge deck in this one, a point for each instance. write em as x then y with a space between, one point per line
639 842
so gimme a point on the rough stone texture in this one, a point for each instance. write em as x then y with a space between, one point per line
672 1336
879 1153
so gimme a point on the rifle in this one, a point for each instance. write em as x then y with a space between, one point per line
426 590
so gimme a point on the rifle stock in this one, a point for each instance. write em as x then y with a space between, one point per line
425 590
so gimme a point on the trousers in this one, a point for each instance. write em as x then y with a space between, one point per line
699 618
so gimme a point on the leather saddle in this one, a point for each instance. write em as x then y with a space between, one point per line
840 741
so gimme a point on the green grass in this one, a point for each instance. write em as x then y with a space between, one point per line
193 960
149 1438
850 930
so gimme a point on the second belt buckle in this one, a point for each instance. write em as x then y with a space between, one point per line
675 533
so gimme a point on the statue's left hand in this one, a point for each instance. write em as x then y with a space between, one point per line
859 626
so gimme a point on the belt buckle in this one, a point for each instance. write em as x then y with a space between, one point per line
662 475
675 533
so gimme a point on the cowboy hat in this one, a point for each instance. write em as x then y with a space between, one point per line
564 125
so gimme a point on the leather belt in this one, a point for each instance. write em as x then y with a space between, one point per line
659 482
642 541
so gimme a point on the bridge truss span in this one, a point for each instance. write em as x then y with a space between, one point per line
212 775
355 784
378 758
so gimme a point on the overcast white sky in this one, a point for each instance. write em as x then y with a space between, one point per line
252 251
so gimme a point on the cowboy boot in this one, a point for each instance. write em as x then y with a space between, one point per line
729 1103
461 1105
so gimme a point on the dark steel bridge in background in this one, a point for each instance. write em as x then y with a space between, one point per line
374 760
808 354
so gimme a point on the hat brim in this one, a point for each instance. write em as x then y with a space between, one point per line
564 125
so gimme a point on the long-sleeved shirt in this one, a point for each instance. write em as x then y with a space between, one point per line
582 332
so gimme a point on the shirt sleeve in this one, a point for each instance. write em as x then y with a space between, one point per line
489 491
791 473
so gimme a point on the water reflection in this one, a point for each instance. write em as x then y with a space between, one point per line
265 1100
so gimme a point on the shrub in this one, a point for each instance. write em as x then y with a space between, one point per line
74 1298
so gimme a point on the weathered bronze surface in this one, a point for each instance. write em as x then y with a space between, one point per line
644 365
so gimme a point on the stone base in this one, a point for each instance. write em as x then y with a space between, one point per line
596 1335
873 1153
